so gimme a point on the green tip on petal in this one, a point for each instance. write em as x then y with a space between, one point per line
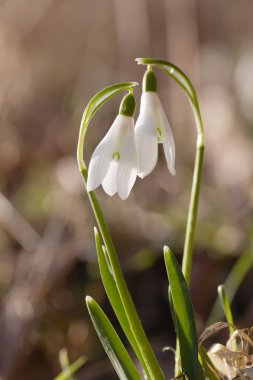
127 106
149 81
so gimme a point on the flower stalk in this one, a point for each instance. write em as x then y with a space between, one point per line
152 128
153 368
188 88
150 104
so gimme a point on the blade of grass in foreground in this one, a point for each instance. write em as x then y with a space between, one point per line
113 346
185 322
114 297
68 370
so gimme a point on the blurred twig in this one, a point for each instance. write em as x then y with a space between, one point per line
17 225
35 275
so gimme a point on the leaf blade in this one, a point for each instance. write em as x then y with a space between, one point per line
68 371
113 346
114 297
185 322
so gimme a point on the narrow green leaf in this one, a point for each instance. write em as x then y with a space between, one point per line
238 272
113 346
172 310
207 364
70 369
201 369
177 367
184 316
226 307
114 297
227 312
64 362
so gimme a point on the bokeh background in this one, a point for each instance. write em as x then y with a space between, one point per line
54 56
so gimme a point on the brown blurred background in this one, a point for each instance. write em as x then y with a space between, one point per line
54 56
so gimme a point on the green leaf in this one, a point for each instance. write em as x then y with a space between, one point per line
185 322
226 307
228 312
69 369
113 346
207 364
114 297
172 310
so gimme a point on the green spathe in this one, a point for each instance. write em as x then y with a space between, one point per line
127 106
149 81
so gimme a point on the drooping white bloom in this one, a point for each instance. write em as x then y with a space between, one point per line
114 161
152 128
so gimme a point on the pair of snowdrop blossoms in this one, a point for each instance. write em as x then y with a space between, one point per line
127 151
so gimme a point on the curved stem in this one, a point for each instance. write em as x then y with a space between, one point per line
80 144
180 77
94 104
193 206
154 370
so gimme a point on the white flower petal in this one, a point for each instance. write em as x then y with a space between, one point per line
146 134
102 156
98 168
168 144
166 136
109 183
127 170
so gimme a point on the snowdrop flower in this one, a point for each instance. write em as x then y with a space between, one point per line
114 161
152 128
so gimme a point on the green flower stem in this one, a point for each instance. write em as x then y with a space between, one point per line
193 206
153 367
180 77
